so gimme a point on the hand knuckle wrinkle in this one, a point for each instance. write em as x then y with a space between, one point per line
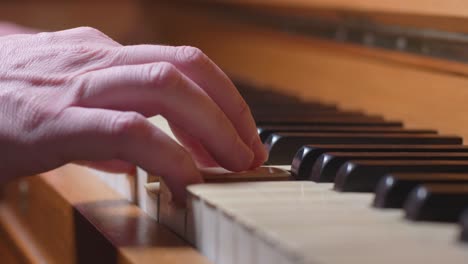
89 30
164 75
191 56
128 124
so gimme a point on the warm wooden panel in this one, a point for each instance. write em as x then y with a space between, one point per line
413 14
422 92
121 20
64 215
8 252
450 8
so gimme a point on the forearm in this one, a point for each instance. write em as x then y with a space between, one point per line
7 28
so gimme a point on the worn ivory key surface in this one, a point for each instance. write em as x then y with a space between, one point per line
306 222
180 219
149 189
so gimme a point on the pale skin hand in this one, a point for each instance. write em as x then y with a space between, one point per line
78 96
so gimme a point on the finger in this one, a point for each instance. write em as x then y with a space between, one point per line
159 88
97 134
199 68
112 166
201 155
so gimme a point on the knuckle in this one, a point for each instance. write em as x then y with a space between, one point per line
127 125
86 57
164 75
89 35
88 31
191 56
37 117
79 50
84 52
79 91
50 38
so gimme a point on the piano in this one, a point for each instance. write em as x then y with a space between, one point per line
362 107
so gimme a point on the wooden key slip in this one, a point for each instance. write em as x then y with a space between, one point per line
180 220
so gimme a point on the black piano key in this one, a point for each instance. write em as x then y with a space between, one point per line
285 112
261 109
328 121
306 156
265 131
393 189
363 175
437 202
464 226
258 93
279 115
257 96
273 117
282 146
285 103
269 100
327 165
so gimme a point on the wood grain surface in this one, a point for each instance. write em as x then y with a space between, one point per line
69 216
453 8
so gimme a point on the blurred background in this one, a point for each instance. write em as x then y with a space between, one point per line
127 21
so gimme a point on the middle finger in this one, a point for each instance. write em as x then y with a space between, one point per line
159 88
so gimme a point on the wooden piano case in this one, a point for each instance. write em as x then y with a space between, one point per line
403 59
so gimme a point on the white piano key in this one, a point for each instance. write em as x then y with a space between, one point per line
193 223
141 180
179 220
171 215
245 247
266 253
147 194
226 240
309 223
209 243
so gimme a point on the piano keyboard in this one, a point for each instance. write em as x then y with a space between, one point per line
307 222
352 188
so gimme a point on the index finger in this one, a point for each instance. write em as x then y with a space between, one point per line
198 67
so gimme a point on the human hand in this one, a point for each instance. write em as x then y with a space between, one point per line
77 95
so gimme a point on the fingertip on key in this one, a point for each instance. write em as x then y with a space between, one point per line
260 152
